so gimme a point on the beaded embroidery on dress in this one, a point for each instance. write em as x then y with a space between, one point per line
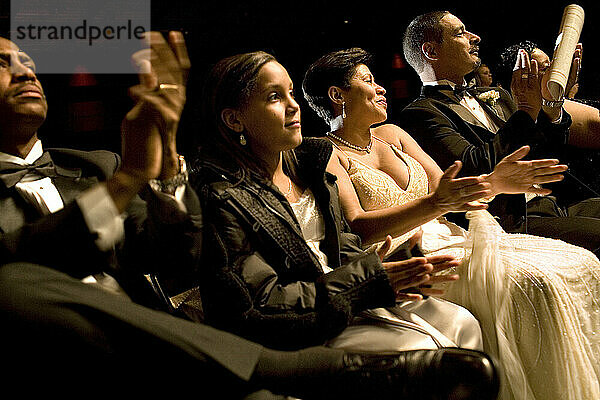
537 299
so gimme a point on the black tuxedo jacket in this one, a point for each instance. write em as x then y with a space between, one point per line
159 238
447 131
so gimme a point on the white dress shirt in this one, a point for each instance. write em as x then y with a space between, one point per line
96 205
99 211
471 104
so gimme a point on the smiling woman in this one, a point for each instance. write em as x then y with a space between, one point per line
396 188
279 264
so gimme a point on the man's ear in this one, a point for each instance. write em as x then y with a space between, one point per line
231 119
335 95
429 50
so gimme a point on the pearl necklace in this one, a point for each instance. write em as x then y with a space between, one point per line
367 148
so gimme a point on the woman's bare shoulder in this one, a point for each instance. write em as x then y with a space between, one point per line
392 134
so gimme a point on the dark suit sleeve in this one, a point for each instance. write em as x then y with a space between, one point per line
447 138
61 241
162 239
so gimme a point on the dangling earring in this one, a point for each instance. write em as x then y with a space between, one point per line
242 139
344 109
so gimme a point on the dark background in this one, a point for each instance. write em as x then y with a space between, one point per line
85 111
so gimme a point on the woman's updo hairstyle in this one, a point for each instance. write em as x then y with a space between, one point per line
332 69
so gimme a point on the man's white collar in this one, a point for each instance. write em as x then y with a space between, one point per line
35 153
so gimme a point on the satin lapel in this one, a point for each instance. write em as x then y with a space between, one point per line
12 214
70 188
453 103
466 115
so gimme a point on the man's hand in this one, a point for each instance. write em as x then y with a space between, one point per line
513 175
149 128
160 98
525 85
575 69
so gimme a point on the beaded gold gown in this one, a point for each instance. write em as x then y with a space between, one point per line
537 299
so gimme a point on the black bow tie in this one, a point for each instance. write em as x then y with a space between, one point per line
11 173
459 90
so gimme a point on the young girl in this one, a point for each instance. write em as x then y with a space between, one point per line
279 265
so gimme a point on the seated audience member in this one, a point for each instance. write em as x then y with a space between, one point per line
64 336
278 265
389 185
480 126
581 152
483 76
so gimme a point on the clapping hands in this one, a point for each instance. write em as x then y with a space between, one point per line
515 175
149 128
459 194
413 278
525 85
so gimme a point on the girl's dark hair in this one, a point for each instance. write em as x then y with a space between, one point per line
332 69
507 59
230 84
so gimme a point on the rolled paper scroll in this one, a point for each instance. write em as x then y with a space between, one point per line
568 37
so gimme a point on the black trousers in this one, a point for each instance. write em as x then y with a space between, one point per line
66 333
577 224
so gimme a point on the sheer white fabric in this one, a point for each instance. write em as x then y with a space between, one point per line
537 299
412 325
311 223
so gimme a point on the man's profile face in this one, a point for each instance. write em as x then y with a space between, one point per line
21 93
459 50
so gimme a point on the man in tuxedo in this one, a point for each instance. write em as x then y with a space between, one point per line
68 215
479 126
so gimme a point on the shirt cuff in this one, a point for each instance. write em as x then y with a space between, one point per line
101 216
176 198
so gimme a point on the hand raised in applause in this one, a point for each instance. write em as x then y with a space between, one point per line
515 175
573 82
149 128
525 85
459 194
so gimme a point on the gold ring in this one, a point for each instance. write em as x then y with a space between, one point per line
166 86
524 76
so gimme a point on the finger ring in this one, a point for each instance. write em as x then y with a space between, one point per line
166 86
524 76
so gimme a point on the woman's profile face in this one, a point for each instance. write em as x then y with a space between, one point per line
485 75
271 117
365 98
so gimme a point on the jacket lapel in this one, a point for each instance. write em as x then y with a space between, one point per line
14 213
269 215
70 188
448 97
496 111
